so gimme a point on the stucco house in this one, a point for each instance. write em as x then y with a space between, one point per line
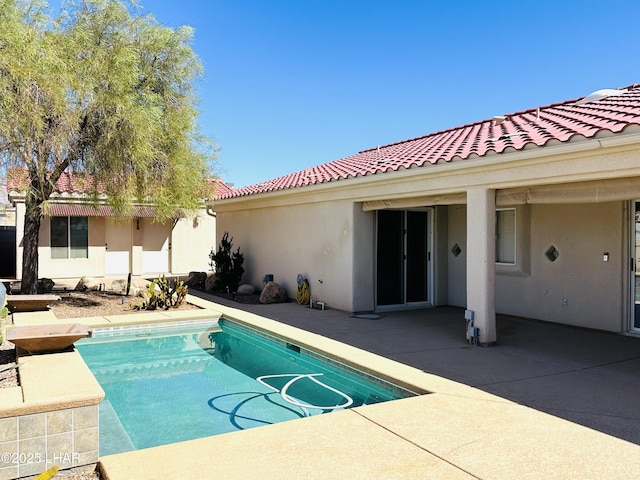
534 213
78 239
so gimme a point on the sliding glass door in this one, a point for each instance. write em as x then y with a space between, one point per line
403 258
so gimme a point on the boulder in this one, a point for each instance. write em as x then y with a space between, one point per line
211 283
45 285
273 293
196 279
246 289
119 285
88 283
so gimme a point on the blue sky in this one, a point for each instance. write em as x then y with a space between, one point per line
290 84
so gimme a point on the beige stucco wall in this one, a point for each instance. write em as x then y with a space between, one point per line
579 288
7 216
316 240
191 242
68 268
536 287
72 267
20 209
363 264
442 250
136 251
457 266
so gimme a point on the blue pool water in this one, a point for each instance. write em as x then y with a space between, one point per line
166 384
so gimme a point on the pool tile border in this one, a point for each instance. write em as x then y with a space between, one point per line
34 442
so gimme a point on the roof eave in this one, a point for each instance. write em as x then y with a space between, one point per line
572 146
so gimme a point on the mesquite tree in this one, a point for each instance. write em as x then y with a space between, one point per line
104 91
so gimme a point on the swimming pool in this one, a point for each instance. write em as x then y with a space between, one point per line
174 382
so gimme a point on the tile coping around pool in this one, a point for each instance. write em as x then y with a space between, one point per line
454 432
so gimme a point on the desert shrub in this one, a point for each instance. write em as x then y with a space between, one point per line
227 265
161 294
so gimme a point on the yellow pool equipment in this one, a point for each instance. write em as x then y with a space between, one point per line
302 294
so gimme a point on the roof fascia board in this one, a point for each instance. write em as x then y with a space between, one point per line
527 173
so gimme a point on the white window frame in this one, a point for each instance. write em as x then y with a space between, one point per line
501 230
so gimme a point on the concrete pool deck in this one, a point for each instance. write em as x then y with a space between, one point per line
462 429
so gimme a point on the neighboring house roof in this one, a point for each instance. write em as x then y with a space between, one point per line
221 189
69 182
606 110
78 183
72 188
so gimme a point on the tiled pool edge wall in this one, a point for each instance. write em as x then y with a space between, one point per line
385 383
51 418
32 443
117 330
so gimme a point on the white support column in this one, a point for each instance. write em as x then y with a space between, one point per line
481 261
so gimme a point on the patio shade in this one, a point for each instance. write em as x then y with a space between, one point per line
83 210
597 191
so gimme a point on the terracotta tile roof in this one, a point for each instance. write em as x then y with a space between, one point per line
221 188
559 122
69 182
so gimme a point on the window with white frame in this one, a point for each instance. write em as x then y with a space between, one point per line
506 236
69 237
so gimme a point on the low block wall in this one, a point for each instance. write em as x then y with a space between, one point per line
52 418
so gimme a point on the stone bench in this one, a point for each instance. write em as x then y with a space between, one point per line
31 303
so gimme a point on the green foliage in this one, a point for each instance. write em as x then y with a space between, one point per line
4 308
161 294
106 92
227 264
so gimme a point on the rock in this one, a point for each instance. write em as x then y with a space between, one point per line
211 283
119 285
196 279
273 293
246 289
88 283
137 289
45 285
